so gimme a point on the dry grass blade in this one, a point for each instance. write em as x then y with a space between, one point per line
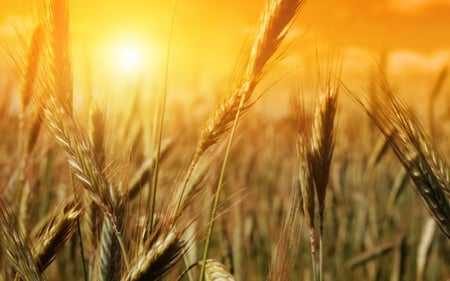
15 246
55 233
428 170
373 253
216 271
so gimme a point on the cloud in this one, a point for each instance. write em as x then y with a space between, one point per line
406 61
415 5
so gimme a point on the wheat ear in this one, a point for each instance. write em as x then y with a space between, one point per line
162 250
305 173
216 271
15 246
272 29
109 262
426 167
273 26
322 151
55 233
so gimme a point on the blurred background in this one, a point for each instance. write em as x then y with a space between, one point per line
209 36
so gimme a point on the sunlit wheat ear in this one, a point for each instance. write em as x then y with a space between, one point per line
272 29
428 170
216 271
79 154
161 252
52 236
15 246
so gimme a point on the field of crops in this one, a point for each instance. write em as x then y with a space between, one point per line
318 179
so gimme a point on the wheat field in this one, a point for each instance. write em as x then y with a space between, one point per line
350 183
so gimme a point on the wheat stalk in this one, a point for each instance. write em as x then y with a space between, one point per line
272 29
163 249
58 229
109 257
15 246
274 23
428 170
305 173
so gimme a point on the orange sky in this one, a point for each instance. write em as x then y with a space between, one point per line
416 24
209 34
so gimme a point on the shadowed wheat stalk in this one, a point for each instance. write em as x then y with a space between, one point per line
426 167
315 146
305 173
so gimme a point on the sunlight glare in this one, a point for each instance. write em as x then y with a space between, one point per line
129 58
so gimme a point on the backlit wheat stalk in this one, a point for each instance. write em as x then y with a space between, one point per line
426 167
315 146
273 26
272 29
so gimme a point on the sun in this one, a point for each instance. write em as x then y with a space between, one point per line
125 59
129 58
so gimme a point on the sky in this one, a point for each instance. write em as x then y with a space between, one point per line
209 34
